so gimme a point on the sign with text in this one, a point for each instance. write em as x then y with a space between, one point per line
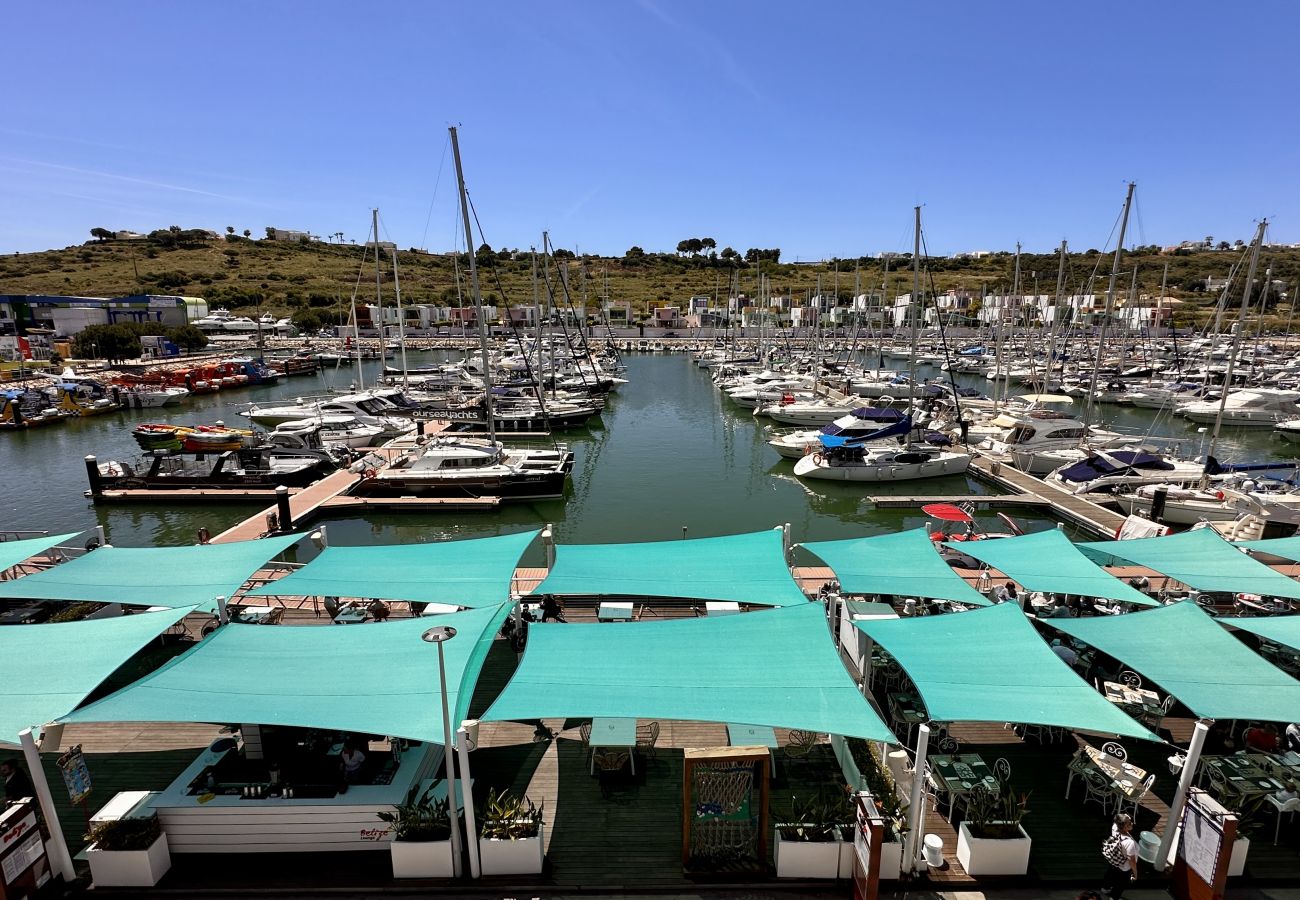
76 775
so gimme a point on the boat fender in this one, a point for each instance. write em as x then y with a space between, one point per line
818 458
1218 495
367 473
807 450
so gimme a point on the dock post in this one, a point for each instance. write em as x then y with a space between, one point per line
285 513
324 536
223 616
92 473
548 542
101 535
1159 497
62 858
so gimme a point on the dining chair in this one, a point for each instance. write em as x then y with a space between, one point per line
1155 718
647 736
1136 801
611 760
1097 790
1221 788
1129 678
274 616
1002 769
1290 807
800 744
1115 750
946 744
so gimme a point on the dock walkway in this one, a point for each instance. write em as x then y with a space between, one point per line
1094 519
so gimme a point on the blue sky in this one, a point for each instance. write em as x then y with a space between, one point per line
813 127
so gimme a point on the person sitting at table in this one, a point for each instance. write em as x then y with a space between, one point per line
17 784
351 759
1293 737
552 609
1006 593
1059 610
1263 739
1066 653
1219 740
332 606
378 609
1288 793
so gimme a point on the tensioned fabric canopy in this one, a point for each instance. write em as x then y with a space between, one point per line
152 576
776 668
14 552
52 668
905 564
373 680
746 568
1286 548
990 665
1048 561
1184 651
1200 559
462 573
1283 630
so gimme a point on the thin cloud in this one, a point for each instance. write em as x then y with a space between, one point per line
579 204
130 179
731 67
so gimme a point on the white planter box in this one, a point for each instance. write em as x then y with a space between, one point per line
422 859
129 868
806 859
522 857
891 860
1237 862
982 856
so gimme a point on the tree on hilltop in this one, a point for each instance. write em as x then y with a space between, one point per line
634 252
248 232
230 229
102 234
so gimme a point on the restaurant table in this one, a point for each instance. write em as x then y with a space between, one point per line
614 612
351 615
613 732
438 609
753 736
22 615
1126 779
906 707
721 608
959 775
1246 774
250 615
1123 695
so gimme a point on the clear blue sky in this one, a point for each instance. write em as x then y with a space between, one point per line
813 127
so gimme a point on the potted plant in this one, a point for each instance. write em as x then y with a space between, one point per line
809 841
991 840
510 839
128 852
891 802
421 830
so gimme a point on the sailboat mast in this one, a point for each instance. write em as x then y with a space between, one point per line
474 289
1056 320
401 323
1110 302
379 301
914 309
1236 334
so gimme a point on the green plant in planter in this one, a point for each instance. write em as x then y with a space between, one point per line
815 821
995 813
420 818
882 787
125 834
509 818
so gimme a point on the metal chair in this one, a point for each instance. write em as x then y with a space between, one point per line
1115 750
611 760
1222 789
801 744
1097 790
1002 770
1129 678
946 744
1290 807
274 616
647 736
1155 719
1137 801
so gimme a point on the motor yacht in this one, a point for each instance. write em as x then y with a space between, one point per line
457 466
1258 407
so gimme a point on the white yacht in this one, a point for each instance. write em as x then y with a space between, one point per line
1031 439
864 459
807 412
456 466
860 422
367 408
326 431
1263 407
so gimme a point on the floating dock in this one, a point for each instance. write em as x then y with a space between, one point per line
991 501
1096 520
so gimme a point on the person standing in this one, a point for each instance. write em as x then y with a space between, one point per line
1120 851
17 784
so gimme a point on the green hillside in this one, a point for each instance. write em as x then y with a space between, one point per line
303 279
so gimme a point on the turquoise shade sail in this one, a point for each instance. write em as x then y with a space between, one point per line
1286 548
152 576
1200 559
745 568
370 679
990 665
1284 630
462 573
52 668
14 552
776 668
1048 561
904 564
1188 654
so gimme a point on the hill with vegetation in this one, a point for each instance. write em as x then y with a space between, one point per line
313 281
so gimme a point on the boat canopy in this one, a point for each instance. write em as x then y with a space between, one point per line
14 552
362 680
54 667
1184 651
990 665
1200 559
1048 561
152 576
902 427
461 573
744 568
869 414
776 668
902 564
1112 464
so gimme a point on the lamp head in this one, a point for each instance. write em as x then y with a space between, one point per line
438 634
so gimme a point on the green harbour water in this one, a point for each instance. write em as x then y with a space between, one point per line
670 457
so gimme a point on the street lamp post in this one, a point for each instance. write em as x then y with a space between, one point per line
439 635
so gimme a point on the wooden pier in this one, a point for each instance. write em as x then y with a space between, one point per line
990 501
188 495
408 504
1094 519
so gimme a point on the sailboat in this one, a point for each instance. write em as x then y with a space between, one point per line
864 458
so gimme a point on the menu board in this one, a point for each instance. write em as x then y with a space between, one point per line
1201 841
22 857
76 776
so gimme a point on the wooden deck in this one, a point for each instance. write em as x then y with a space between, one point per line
1089 516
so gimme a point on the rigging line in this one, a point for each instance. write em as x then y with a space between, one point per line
943 334
437 181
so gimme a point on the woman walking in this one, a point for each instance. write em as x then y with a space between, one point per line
1120 851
